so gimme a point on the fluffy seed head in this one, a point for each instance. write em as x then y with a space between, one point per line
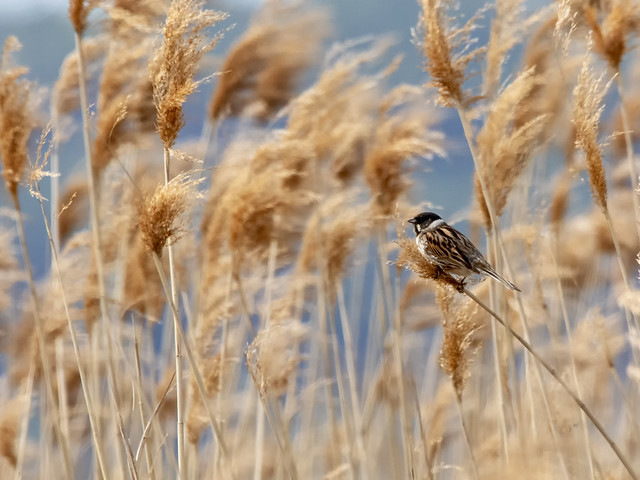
173 68
458 345
273 356
504 145
446 52
326 246
65 95
508 29
612 37
399 137
587 108
160 212
123 96
16 118
78 13
261 71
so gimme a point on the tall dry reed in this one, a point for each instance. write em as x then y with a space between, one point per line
319 342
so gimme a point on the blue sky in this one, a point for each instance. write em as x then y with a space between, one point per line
21 9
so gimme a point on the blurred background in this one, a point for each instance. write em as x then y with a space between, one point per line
43 28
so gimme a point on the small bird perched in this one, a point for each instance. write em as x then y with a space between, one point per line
446 247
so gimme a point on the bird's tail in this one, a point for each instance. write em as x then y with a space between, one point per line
492 273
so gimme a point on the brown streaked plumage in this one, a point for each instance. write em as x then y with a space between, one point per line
450 250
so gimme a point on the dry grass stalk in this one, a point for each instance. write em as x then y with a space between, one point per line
588 107
129 16
611 37
78 13
273 356
402 133
505 146
160 212
125 103
73 209
175 64
74 375
564 25
11 412
262 70
65 97
508 29
327 245
459 344
17 118
337 115
560 200
448 52
180 339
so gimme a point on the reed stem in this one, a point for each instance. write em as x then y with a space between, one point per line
178 351
193 365
93 423
594 420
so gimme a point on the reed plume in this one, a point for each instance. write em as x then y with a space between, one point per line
65 95
400 138
459 343
264 67
160 212
508 29
447 53
273 356
611 38
9 427
173 67
588 107
336 115
78 12
326 246
312 352
124 94
504 147
17 118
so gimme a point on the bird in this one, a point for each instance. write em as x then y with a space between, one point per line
447 248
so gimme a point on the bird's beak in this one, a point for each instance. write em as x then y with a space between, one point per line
412 220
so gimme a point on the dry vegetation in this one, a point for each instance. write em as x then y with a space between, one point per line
258 311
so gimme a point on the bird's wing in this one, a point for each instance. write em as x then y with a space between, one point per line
451 247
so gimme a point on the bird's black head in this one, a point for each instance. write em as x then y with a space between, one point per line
423 220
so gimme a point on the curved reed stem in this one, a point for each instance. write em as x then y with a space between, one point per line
594 420
40 337
507 263
93 423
